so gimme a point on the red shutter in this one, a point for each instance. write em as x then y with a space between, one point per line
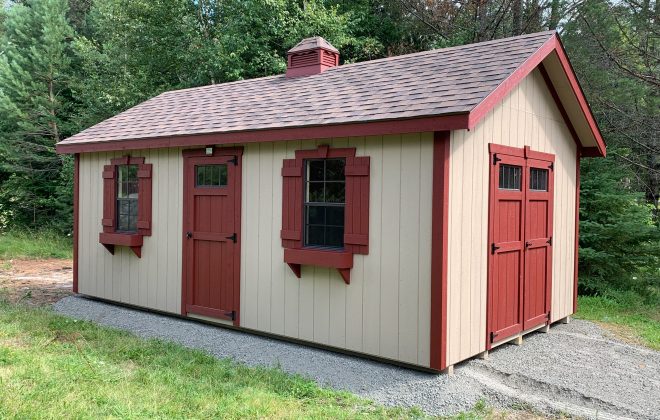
292 196
144 199
109 182
356 229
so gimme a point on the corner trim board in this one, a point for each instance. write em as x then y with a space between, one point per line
76 217
439 249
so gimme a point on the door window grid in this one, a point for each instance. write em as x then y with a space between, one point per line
538 179
211 176
325 189
127 198
510 177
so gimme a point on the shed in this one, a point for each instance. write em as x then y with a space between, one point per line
420 209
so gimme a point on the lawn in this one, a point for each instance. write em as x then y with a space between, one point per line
34 245
630 320
51 365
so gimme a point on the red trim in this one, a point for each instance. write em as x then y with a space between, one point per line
401 126
533 154
210 312
560 105
76 217
506 150
341 260
534 61
577 231
201 153
134 241
497 95
579 93
439 249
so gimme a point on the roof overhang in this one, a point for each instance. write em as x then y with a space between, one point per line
550 58
558 73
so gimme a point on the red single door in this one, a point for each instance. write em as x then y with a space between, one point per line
538 243
211 235
506 246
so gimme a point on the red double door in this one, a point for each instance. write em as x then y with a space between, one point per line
211 234
520 241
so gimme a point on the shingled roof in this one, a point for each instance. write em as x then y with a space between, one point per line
440 82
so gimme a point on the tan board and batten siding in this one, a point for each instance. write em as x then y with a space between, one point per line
528 116
385 311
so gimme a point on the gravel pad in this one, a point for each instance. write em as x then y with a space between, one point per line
577 368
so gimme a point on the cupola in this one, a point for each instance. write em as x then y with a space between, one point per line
311 56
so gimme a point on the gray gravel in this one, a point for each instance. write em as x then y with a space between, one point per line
577 368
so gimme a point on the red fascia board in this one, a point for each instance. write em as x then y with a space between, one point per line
496 96
376 128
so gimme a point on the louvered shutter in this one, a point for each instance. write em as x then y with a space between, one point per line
144 199
356 228
109 205
292 196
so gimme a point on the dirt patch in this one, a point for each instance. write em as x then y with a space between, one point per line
36 282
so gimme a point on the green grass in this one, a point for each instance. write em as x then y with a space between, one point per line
52 366
34 245
628 317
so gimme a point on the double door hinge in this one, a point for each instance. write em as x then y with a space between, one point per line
496 159
493 334
493 248
233 160
233 237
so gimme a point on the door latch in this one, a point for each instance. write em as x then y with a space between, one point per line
493 248
232 237
188 235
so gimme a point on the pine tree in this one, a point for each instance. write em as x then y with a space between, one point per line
33 83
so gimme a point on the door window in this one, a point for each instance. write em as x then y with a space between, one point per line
510 177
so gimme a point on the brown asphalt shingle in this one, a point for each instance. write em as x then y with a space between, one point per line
431 83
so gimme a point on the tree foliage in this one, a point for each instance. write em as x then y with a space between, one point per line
66 65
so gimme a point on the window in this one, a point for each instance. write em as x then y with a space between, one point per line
127 198
212 176
325 209
538 179
325 197
510 177
126 203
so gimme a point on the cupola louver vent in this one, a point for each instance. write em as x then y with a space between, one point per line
311 56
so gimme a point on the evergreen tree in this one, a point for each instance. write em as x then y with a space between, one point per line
33 83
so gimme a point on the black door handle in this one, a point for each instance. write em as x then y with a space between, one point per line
188 235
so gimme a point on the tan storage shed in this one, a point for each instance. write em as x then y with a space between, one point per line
419 209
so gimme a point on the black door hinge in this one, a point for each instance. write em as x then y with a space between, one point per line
547 316
231 315
550 241
552 166
234 160
233 238
493 334
495 159
493 248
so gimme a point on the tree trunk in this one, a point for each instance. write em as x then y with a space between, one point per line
516 24
553 22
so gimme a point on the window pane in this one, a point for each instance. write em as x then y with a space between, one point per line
334 170
211 175
538 179
334 215
315 215
324 223
334 236
334 192
315 192
315 235
510 177
315 170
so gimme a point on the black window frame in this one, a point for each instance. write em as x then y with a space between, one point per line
307 204
132 202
